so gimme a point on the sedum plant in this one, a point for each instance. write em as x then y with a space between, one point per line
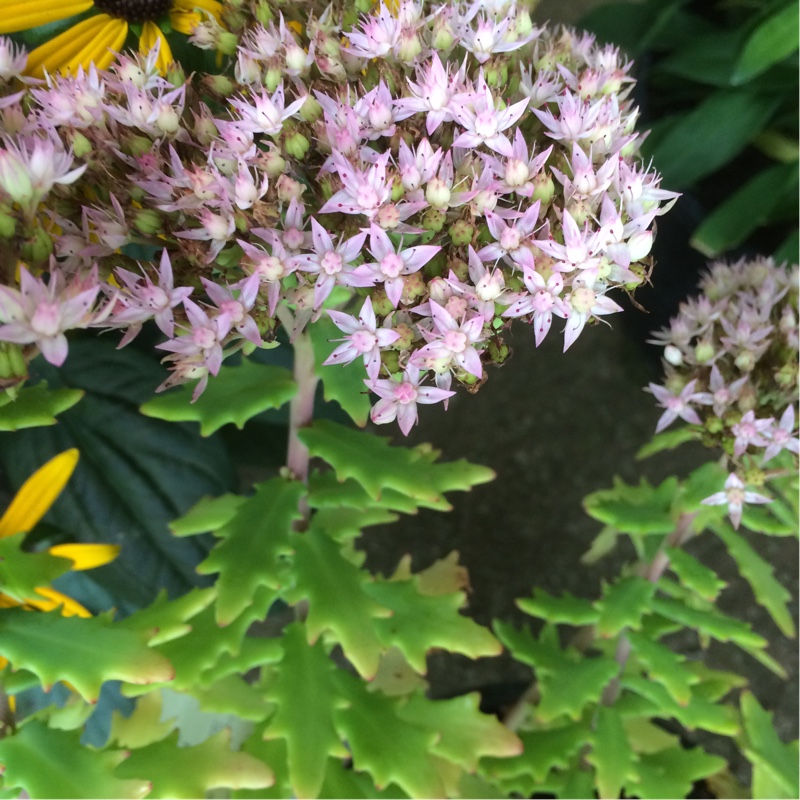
381 191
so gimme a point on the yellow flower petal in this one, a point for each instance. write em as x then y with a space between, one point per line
78 45
19 15
54 599
151 34
85 556
8 602
38 493
213 7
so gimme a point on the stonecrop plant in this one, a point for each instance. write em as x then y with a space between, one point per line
371 194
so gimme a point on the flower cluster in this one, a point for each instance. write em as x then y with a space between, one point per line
467 169
731 358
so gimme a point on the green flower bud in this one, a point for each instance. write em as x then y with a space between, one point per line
498 351
296 145
228 42
240 220
461 233
175 75
147 221
406 339
543 188
8 225
272 78
363 6
745 361
38 247
381 304
703 352
391 360
714 424
311 110
413 287
397 189
81 146
138 146
263 13
220 85
754 477
433 220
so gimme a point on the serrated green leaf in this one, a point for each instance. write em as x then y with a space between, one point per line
666 440
420 622
602 545
22 571
768 591
464 733
563 609
672 772
307 698
711 622
191 771
641 509
568 682
207 514
343 384
664 666
623 605
253 652
697 713
701 482
611 753
52 763
254 544
373 729
765 750
731 222
544 750
144 726
235 395
325 490
694 575
647 736
84 652
274 753
166 619
693 148
772 41
337 596
376 465
37 405
345 782
713 684
763 519
346 524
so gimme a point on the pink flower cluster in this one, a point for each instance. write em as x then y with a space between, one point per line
731 358
467 169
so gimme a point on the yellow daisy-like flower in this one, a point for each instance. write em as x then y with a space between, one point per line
29 505
96 39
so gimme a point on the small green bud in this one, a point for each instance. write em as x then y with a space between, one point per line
714 424
461 233
391 360
433 220
498 351
38 247
398 189
228 42
263 13
468 379
220 85
8 225
406 333
175 75
786 376
413 287
745 361
704 351
147 221
363 6
754 477
296 145
543 187
459 268
240 221
138 146
311 110
81 146
272 78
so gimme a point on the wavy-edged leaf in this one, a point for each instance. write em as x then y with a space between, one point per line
325 490
667 440
464 733
694 575
207 514
641 509
235 395
84 652
37 405
255 542
345 524
623 605
376 465
166 619
192 771
565 608
672 772
337 596
22 571
52 763
768 520
664 666
307 698
772 41
143 726
342 780
768 591
373 730
765 751
611 753
420 622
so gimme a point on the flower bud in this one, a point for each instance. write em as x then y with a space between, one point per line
461 233
274 163
543 188
220 85
289 189
517 172
296 145
410 46
433 220
639 245
38 247
406 333
704 352
81 146
167 119
295 58
413 288
175 74
437 193
388 216
147 221
14 178
745 361
381 304
272 78
263 12
673 355
391 360
228 43
311 110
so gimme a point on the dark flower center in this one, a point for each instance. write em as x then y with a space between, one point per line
134 10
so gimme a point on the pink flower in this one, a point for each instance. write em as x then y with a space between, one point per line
584 303
542 301
364 192
451 342
750 431
399 399
489 37
780 436
735 496
234 302
676 405
378 35
270 268
268 113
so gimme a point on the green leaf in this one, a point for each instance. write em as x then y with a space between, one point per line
307 699
166 619
764 519
568 681
84 652
773 40
389 748
788 249
623 605
768 591
672 772
346 524
420 622
192 771
235 395
51 763
37 405
144 726
342 780
731 222
694 575
22 571
765 750
708 59
337 598
544 750
325 490
611 753
207 514
564 609
134 476
710 135
664 666
667 440
602 545
641 509
253 547
343 384
376 465
464 734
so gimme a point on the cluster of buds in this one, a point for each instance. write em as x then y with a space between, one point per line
467 169
731 360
